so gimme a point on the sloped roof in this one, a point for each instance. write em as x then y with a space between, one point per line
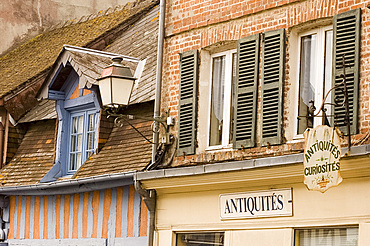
34 158
140 41
124 151
43 111
39 54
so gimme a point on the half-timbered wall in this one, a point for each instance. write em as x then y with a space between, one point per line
111 216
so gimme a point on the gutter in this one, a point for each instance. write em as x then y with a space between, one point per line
229 166
71 186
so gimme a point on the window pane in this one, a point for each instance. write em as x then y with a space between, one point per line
306 81
73 143
200 239
217 103
72 162
90 141
74 124
79 142
328 68
78 160
80 124
233 82
91 122
327 237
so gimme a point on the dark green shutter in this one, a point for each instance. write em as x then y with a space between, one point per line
273 54
346 38
245 100
188 102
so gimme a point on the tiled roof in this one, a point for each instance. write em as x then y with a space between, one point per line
140 41
45 110
34 158
125 150
39 54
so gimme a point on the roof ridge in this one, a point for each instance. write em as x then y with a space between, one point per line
92 16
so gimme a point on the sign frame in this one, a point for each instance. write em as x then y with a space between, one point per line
321 158
278 198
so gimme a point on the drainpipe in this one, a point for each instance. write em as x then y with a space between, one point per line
149 197
157 102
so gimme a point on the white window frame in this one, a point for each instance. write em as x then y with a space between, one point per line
227 100
319 76
84 151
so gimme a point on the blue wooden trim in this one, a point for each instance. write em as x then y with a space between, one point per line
32 216
80 214
90 220
100 214
81 102
124 211
51 218
23 217
112 218
42 218
137 203
16 216
56 95
71 212
61 218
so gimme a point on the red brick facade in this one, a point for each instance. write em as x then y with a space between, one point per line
196 24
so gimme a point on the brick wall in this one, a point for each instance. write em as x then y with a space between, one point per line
196 24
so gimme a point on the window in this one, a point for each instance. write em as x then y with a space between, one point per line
315 74
82 138
223 77
200 239
327 237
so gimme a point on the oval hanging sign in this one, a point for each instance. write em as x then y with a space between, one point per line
321 158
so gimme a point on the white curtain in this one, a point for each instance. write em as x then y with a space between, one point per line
328 237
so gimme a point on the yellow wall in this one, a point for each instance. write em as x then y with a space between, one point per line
347 204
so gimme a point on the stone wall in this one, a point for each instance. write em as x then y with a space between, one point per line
21 20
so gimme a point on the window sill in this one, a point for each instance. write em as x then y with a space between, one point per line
65 177
219 148
296 139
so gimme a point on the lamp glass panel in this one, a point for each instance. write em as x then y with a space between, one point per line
105 91
121 89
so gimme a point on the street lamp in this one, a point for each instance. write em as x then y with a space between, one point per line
115 84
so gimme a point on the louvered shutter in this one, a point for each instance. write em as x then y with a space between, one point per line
273 54
346 38
245 100
188 102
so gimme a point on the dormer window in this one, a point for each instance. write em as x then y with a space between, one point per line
78 116
81 138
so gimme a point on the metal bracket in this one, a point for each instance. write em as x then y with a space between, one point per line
343 87
120 119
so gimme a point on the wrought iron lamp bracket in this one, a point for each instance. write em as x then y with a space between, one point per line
342 86
121 119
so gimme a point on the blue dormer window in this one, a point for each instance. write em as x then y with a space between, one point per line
78 121
82 138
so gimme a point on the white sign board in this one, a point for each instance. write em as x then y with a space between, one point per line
321 158
269 203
